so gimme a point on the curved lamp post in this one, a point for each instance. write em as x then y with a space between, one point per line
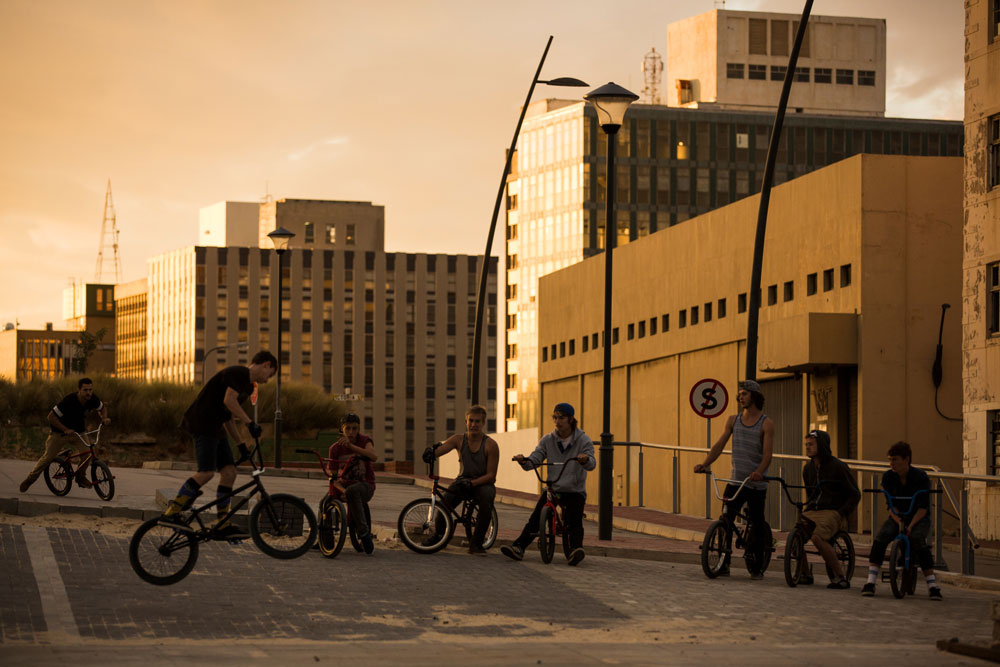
611 101
242 345
477 340
280 238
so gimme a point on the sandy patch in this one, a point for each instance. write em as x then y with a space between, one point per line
116 526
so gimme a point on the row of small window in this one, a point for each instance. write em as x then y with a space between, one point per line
802 74
695 314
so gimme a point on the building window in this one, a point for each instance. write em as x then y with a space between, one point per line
993 299
350 235
778 72
682 319
845 275
741 303
866 77
652 326
993 152
665 323
758 37
694 315
845 76
545 357
779 38
789 289
772 295
994 443
995 21
331 234
822 75
828 280
721 308
572 346
811 284
310 232
734 70
593 341
758 72
614 336
562 349
802 74
631 331
586 343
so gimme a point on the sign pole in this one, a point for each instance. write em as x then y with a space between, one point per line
708 399
708 479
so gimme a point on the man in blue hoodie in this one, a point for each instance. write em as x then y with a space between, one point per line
564 444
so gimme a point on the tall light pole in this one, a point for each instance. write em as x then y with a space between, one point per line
280 238
611 101
242 345
477 339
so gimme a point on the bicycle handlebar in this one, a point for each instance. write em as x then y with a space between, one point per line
322 461
97 437
535 468
716 480
913 499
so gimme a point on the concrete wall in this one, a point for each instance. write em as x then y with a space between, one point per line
228 223
509 474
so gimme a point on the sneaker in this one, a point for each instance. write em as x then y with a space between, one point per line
935 593
757 576
724 572
477 551
575 556
25 485
229 532
513 552
175 521
430 541
367 543
806 580
83 483
868 590
841 584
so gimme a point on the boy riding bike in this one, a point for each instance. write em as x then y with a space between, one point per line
357 480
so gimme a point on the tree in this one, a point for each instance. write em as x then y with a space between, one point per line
85 349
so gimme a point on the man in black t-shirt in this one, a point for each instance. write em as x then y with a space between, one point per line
212 415
67 418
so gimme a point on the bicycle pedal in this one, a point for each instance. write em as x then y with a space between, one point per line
235 542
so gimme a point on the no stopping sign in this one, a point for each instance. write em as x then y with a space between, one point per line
709 398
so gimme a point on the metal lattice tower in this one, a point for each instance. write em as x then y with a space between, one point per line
652 72
109 228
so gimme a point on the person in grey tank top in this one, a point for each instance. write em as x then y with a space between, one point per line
753 439
479 456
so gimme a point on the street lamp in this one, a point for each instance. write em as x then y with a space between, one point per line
610 101
280 238
242 345
477 338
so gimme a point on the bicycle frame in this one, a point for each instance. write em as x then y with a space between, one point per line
86 456
551 495
725 499
437 497
905 516
258 470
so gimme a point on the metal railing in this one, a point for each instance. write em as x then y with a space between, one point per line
967 539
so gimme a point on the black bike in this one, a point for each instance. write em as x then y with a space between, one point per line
426 525
717 547
796 556
281 525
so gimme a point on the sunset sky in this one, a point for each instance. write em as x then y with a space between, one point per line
408 104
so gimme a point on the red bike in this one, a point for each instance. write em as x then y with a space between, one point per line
334 518
60 473
550 521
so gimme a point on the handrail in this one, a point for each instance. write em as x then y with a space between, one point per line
857 465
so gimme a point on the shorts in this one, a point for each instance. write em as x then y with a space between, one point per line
212 452
827 522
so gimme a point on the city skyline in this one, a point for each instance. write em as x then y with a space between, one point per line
185 107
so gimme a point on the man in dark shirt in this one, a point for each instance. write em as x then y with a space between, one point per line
212 415
833 496
902 481
67 418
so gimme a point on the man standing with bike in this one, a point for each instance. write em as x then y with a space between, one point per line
212 415
902 481
753 441
479 457
563 445
66 418
353 455
834 495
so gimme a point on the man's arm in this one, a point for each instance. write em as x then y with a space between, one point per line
368 451
58 425
589 461
232 403
103 412
492 462
454 442
768 429
853 493
718 446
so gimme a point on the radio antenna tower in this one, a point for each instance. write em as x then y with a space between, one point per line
109 228
652 72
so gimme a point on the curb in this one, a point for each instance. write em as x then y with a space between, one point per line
187 466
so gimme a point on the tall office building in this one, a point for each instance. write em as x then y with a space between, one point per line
675 163
130 329
394 327
981 293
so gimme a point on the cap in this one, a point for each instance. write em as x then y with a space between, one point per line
750 385
350 418
564 408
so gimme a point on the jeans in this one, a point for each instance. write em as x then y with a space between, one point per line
573 504
754 499
918 542
55 443
357 495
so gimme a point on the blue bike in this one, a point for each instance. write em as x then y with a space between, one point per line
902 571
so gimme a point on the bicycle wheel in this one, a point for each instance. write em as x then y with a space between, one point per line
843 546
161 555
897 570
330 528
795 557
423 527
910 579
491 530
58 476
757 555
282 526
355 540
103 480
546 534
714 549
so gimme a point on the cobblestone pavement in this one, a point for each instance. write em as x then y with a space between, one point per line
240 605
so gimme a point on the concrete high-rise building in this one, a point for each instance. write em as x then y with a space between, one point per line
736 60
228 223
981 267
674 164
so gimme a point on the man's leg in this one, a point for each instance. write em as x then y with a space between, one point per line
484 496
528 533
918 542
886 534
54 444
731 510
358 493
573 504
205 457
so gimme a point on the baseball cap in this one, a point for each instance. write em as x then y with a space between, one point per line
750 385
564 408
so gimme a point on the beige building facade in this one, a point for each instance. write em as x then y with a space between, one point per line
27 354
737 60
228 223
860 257
981 262
130 329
